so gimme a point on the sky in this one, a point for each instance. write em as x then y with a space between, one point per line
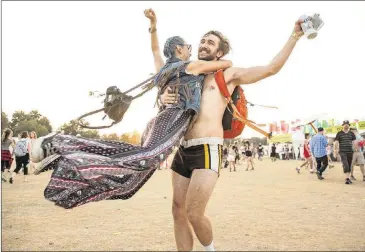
54 53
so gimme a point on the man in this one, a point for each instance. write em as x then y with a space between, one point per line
260 151
358 157
318 146
344 142
273 153
196 167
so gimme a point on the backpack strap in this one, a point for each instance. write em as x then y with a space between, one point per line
222 85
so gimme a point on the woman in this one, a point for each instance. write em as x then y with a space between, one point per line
237 155
6 159
21 151
117 170
32 138
249 157
329 152
307 155
231 158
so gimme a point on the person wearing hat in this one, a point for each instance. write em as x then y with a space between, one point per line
344 143
318 146
358 157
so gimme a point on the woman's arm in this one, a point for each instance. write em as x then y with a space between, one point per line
205 67
159 63
29 147
12 143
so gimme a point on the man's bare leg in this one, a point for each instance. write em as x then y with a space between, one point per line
183 232
201 186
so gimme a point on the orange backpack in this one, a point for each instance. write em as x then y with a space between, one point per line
235 116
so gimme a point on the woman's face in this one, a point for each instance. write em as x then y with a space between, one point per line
186 51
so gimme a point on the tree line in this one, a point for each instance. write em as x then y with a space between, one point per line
34 121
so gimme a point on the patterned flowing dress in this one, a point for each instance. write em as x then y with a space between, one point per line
89 170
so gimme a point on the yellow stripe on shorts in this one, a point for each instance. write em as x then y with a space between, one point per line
220 158
206 156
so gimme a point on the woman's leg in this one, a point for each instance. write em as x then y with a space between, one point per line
251 161
25 165
18 163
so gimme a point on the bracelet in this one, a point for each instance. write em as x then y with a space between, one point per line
152 29
294 35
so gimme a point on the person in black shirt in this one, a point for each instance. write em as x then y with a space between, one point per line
273 153
344 143
260 151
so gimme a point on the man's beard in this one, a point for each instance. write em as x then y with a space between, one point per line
209 57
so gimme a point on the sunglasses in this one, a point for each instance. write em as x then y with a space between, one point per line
189 47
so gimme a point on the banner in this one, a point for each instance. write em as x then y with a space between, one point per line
333 130
324 124
281 138
361 125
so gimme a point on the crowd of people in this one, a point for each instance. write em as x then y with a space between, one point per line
16 149
347 148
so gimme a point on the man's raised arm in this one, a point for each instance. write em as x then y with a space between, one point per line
253 74
159 62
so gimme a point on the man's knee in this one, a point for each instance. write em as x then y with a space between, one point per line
178 210
194 216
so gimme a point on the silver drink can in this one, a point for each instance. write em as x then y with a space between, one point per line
308 28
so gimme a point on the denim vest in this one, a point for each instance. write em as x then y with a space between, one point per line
188 86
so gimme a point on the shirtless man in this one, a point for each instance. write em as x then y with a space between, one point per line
196 167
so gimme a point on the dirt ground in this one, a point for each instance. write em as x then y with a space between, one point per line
271 208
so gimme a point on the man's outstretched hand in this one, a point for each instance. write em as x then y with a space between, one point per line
169 98
298 29
150 14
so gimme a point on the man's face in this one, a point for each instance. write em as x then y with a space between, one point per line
346 127
208 48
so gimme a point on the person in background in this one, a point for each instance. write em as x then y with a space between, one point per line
329 152
318 146
249 157
6 159
21 151
344 142
358 157
32 138
273 153
231 158
237 155
260 151
307 154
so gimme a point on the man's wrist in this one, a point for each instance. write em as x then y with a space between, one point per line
295 36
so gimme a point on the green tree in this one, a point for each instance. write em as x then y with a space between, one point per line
46 123
71 128
112 136
33 115
90 134
18 116
31 125
125 137
33 121
135 137
4 121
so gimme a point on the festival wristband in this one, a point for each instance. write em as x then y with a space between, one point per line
295 35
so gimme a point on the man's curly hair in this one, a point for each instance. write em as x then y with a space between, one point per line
224 44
